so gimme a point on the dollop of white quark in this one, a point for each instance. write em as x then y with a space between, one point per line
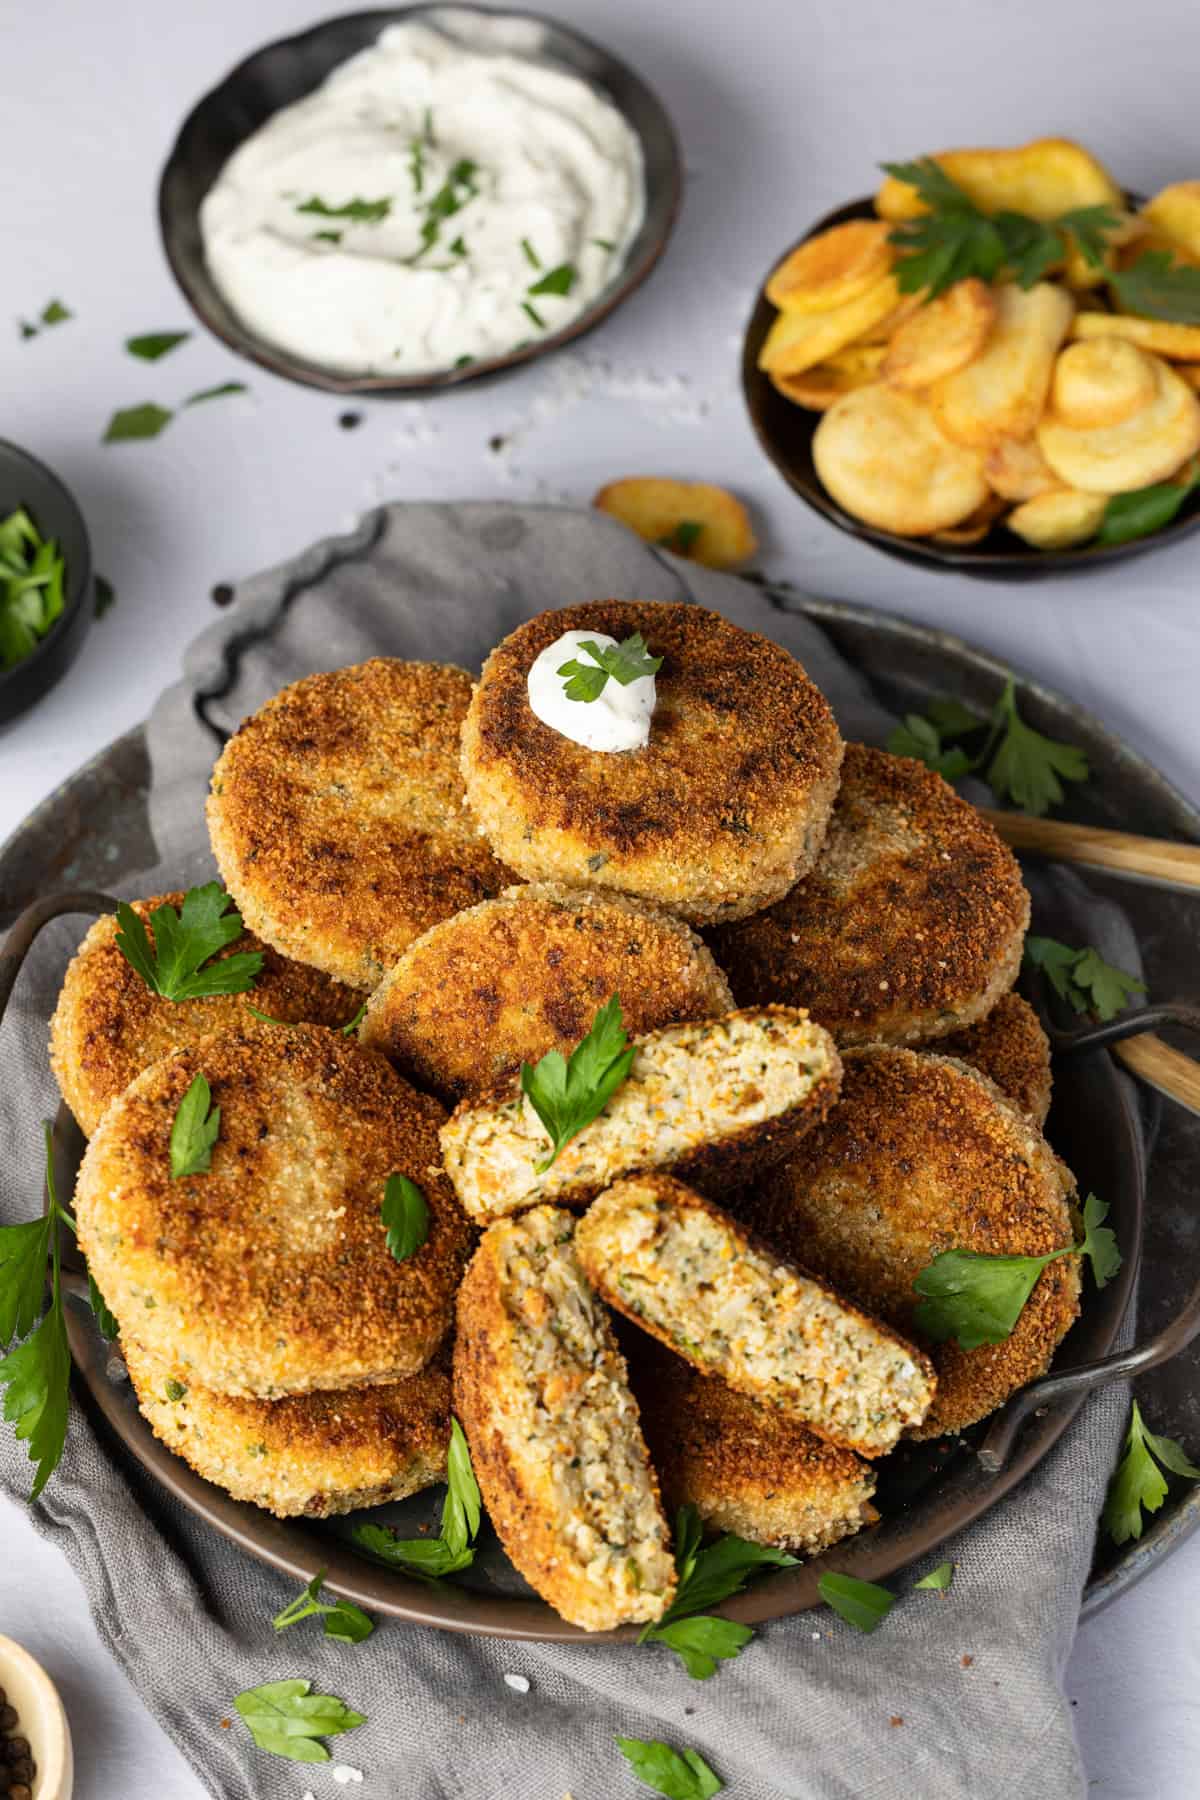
618 719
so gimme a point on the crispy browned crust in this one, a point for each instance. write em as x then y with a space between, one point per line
271 1273
108 1026
672 1194
509 979
1011 1048
308 1454
337 819
522 1512
921 1155
746 1467
725 807
910 926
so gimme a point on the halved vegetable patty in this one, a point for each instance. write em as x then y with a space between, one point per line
691 1276
719 1100
541 1390
746 1466
108 1026
910 926
270 1274
1009 1047
923 1154
336 816
718 815
505 981
311 1454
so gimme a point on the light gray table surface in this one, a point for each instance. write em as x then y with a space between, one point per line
784 110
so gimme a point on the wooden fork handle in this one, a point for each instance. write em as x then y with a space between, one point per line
1141 858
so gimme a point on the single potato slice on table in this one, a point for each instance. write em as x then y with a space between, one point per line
835 266
1044 179
1015 469
881 456
689 1274
800 340
1058 521
706 524
1153 419
943 336
1002 392
541 1390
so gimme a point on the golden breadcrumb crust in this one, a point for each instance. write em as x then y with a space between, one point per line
911 925
511 978
1011 1048
337 820
923 1154
308 1454
108 1026
270 1274
718 815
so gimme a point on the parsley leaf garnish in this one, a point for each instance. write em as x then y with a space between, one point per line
625 662
144 421
1082 977
1022 764
32 586
707 1576
106 1324
287 1719
36 1375
53 313
938 1579
533 313
453 1549
215 393
153 344
361 212
405 1215
556 281
344 1620
684 536
863 1604
1138 1482
678 1775
194 1132
458 188
350 1028
1137 514
567 1093
920 738
977 1299
531 255
1159 288
179 966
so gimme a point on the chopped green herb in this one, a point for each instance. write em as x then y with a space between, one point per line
36 1375
1138 1482
327 237
626 662
360 212
144 421
1082 977
269 1019
174 1392
32 586
153 344
458 247
604 244
463 362
427 127
405 1214
568 1093
106 1324
863 1604
534 314
54 313
216 393
344 1621
706 1576
416 164
679 1775
194 1132
287 1719
458 188
105 595
1136 515
938 1579
556 281
531 255
350 1028
453 1549
179 967
683 538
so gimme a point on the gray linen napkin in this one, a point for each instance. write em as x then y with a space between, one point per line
812 1709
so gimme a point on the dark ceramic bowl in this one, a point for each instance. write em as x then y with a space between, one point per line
785 432
286 71
24 481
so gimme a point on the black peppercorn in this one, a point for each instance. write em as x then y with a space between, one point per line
8 1717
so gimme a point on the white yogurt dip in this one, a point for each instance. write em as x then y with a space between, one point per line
430 205
618 719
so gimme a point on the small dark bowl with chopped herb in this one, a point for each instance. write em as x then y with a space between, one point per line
45 580
785 431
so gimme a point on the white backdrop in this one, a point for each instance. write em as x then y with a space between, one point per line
784 110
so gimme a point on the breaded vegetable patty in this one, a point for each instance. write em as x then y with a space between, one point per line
691 1276
541 1390
745 1466
923 1154
716 816
910 926
719 1100
509 979
336 816
315 1454
270 1273
1011 1048
108 1026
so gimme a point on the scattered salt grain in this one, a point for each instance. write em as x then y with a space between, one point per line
343 1774
816 1637
519 1682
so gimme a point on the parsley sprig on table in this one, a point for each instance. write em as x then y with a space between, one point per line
288 1719
1021 764
32 594
567 1093
36 1375
1082 978
454 1547
626 662
180 965
977 1299
344 1621
677 1774
708 1574
1138 1483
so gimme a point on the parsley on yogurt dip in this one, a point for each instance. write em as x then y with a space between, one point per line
430 205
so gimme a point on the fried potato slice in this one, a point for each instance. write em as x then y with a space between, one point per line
799 341
1146 446
818 388
707 524
1060 520
942 337
1044 179
1175 215
1159 335
1101 381
835 266
882 332
1016 469
1003 391
881 457
1190 373
975 528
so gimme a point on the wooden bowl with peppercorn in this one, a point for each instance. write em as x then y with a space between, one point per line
36 1761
